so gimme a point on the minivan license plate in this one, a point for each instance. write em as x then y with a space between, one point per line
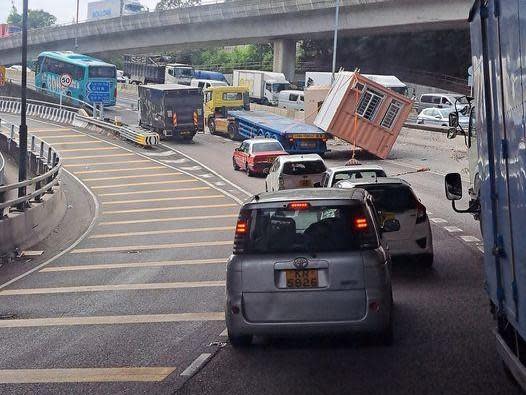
302 278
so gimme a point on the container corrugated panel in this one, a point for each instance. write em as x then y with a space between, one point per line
338 114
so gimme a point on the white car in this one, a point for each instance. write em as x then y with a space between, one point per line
395 199
352 173
440 117
295 171
121 78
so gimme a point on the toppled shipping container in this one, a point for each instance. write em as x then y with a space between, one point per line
364 113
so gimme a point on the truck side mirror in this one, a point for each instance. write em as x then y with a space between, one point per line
453 184
453 119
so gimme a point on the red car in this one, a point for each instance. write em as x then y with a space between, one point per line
255 156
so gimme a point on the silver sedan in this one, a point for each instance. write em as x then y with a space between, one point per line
440 117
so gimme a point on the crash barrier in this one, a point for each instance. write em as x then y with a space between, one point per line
34 207
40 109
2 171
143 138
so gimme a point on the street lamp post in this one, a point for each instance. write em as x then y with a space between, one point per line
77 28
22 133
335 43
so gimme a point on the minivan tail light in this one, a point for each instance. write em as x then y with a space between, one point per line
298 206
241 227
360 223
241 235
421 214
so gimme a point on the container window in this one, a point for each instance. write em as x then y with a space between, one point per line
369 103
391 114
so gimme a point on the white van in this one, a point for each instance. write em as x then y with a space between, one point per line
291 100
441 100
204 84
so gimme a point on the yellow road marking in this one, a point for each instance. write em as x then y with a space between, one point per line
148 210
143 183
151 247
133 176
155 220
76 142
161 232
118 170
94 157
49 130
61 136
132 265
111 287
154 191
168 199
84 375
110 163
111 320
91 149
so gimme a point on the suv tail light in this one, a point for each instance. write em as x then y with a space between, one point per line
421 214
242 233
360 224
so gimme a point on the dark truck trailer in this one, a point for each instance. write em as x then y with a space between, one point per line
145 69
172 110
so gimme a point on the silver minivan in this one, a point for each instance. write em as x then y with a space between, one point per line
441 100
309 261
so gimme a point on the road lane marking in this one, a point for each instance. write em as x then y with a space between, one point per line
168 199
143 183
438 220
452 229
119 170
470 239
111 287
90 149
133 265
149 210
481 249
84 375
112 320
151 247
154 191
94 157
155 220
48 130
74 143
161 232
60 136
133 176
196 365
121 162
224 333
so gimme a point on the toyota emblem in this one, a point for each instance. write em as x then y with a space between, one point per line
300 263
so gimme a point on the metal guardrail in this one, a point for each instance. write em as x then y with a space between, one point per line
36 108
45 163
2 170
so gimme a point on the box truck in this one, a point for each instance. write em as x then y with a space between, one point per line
263 86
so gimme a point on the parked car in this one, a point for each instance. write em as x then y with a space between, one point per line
351 172
440 117
291 100
441 100
255 156
395 199
309 261
295 171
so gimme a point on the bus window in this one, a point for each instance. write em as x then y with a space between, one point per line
102 72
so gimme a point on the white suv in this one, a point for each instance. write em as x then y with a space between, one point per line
351 172
295 171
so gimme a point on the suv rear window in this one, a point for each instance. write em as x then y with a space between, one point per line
301 168
392 198
357 175
317 229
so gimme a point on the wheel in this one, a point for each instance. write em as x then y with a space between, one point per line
248 171
232 132
236 167
240 341
426 260
265 101
266 187
212 125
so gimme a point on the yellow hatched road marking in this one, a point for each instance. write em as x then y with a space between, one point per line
176 173
50 130
133 265
94 157
121 162
112 320
168 199
150 191
118 170
161 232
172 219
149 210
111 287
76 142
91 149
61 136
151 247
84 375
143 183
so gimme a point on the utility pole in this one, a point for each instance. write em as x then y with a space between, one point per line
77 28
22 133
335 43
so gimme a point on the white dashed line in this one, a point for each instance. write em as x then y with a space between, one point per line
452 229
481 249
224 333
192 168
438 220
219 183
194 366
470 239
175 161
160 154
207 175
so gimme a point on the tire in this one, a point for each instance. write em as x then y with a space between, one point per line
211 125
232 132
426 260
265 101
266 187
234 164
243 341
248 171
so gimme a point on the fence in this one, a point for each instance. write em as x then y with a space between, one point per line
40 109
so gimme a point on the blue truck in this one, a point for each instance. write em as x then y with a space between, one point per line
296 137
498 116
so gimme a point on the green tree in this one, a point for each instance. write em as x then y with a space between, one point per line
35 18
171 4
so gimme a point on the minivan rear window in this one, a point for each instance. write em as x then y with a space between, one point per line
317 229
394 198
302 168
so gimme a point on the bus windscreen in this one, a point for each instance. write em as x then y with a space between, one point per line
102 72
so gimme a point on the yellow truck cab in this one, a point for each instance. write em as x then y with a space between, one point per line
218 100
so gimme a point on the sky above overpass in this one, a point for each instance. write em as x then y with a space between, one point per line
64 10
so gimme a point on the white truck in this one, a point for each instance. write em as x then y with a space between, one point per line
263 86
112 9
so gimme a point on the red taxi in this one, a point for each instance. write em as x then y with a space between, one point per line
255 156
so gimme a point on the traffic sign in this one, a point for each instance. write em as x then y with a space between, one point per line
98 97
99 86
66 80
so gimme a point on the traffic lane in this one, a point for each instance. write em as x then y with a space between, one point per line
443 344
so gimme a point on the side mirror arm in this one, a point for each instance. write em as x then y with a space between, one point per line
470 210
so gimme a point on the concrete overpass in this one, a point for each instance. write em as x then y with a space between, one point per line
240 22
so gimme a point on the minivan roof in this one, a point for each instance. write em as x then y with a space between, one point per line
308 194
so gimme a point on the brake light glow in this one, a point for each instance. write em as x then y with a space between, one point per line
298 206
360 223
241 227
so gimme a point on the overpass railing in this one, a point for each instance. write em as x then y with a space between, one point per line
44 164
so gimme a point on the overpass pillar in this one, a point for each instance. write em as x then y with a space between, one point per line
285 57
